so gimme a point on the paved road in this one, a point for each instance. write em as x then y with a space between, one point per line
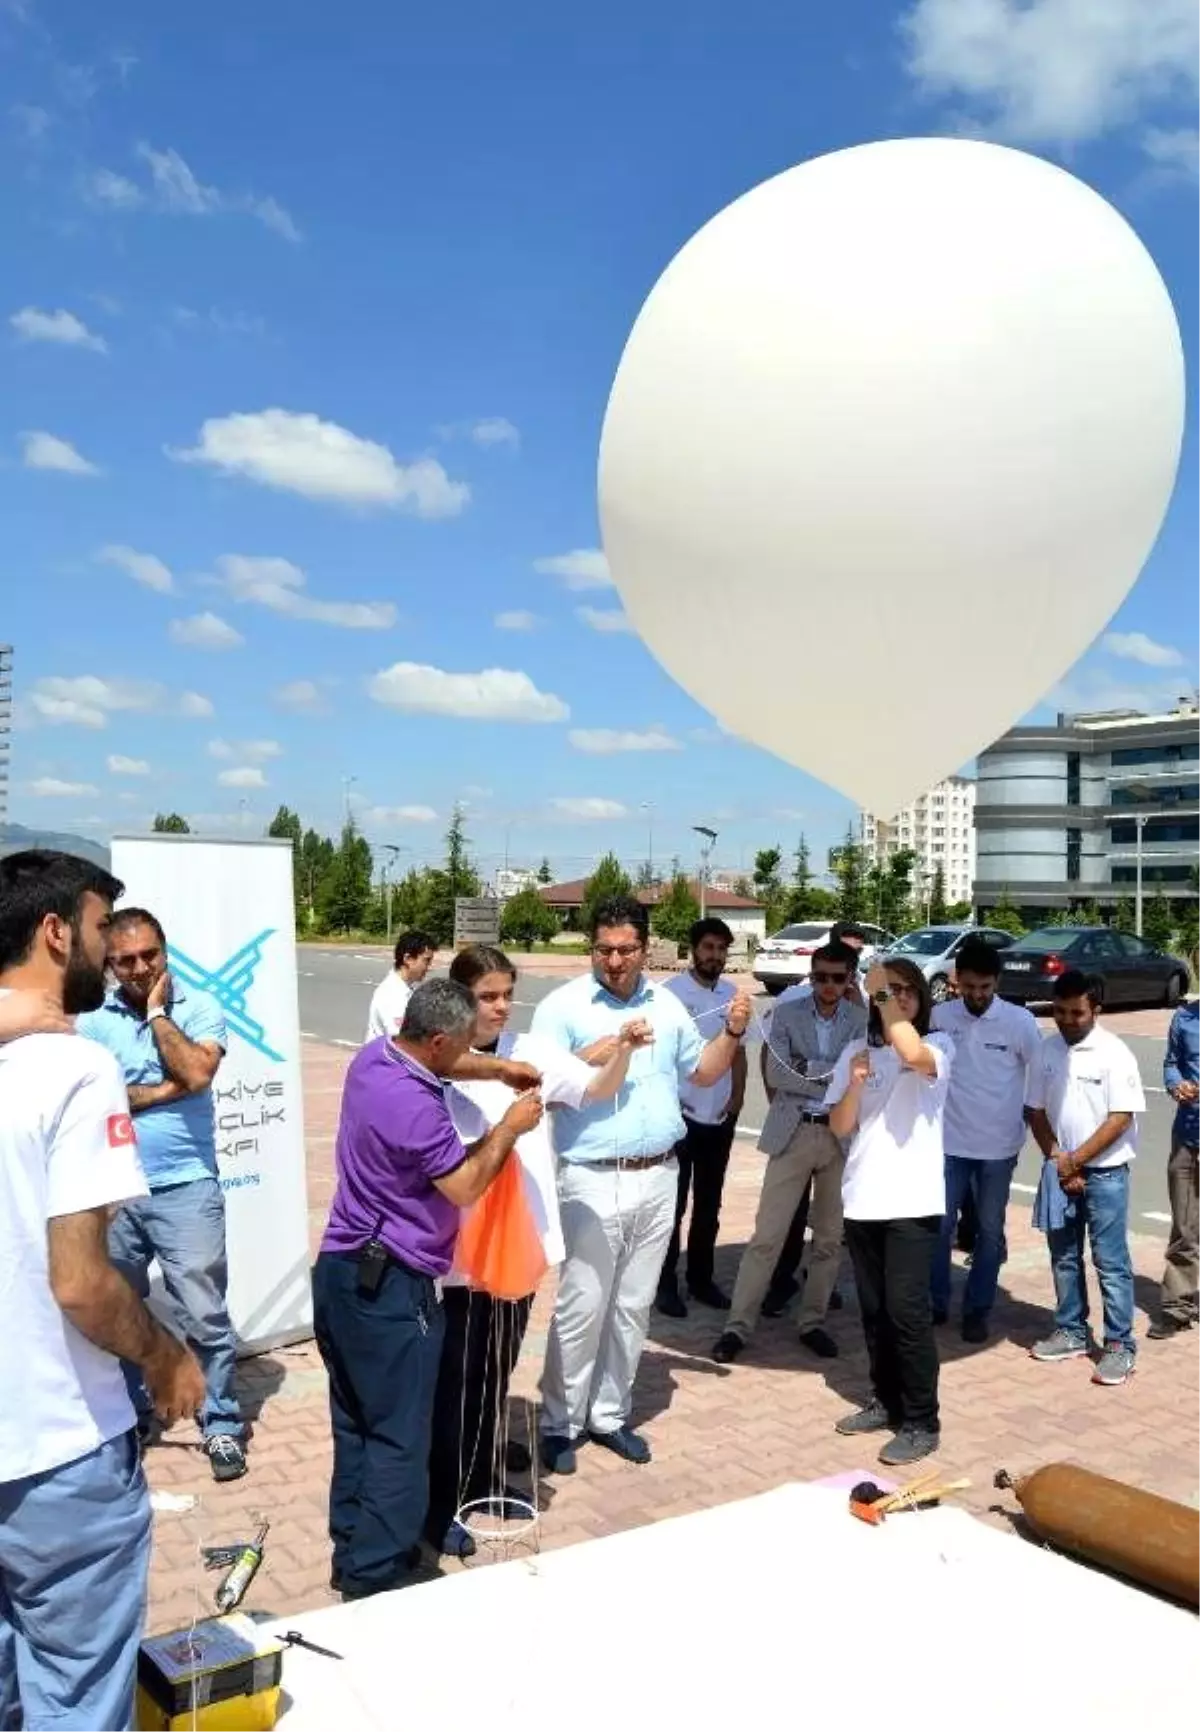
336 987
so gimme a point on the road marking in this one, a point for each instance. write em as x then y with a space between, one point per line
1155 1215
304 1035
1029 1190
749 1131
353 1044
307 974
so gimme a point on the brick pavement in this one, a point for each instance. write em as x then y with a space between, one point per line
718 1432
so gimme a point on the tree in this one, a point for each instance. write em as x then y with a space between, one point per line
286 826
769 886
1124 920
526 920
848 862
938 911
1158 923
544 874
1005 916
316 859
171 824
645 876
889 890
804 900
676 911
443 886
958 912
345 891
608 880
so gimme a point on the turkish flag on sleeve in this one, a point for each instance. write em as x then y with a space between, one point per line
120 1131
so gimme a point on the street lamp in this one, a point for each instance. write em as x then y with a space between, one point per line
706 846
647 806
347 783
394 851
1139 820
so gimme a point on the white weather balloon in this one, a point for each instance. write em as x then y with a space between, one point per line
889 443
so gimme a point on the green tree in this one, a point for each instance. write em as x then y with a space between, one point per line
544 874
889 890
285 826
848 862
345 890
316 860
939 913
676 911
645 879
1158 923
1124 919
171 824
527 921
958 912
803 897
769 887
1005 916
608 880
442 886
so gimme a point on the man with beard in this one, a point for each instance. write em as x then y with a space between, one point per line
996 1047
710 1117
74 1509
170 1040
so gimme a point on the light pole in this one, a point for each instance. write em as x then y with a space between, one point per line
706 845
347 783
1140 824
390 849
647 806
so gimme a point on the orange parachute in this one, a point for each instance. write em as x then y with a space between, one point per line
499 1248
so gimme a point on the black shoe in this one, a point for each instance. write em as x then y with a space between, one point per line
517 1458
975 1327
669 1303
1165 1327
911 1443
558 1454
625 1443
457 1542
728 1348
873 1417
836 1302
711 1295
939 1315
780 1297
819 1342
226 1456
337 1584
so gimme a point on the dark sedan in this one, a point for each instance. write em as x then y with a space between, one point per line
1133 972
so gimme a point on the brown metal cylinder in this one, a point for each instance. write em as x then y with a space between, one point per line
1147 1538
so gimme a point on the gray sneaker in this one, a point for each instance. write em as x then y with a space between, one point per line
872 1417
1061 1345
1114 1366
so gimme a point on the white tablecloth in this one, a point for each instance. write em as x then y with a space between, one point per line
756 1615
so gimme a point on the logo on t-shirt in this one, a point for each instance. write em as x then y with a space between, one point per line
120 1131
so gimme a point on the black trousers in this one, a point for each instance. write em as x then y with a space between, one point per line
892 1262
703 1158
480 1351
381 1351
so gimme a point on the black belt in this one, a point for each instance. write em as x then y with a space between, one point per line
814 1118
632 1163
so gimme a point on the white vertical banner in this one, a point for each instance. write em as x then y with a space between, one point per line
227 910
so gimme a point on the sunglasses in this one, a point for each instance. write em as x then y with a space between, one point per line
823 979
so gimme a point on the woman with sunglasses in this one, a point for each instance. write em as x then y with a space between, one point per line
888 1093
468 1452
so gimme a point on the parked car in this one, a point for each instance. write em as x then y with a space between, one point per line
933 949
786 956
1133 971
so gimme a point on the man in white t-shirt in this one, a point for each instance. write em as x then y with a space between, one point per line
1085 1095
710 1117
996 1047
413 959
74 1510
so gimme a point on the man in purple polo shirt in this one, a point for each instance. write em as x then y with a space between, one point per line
403 1175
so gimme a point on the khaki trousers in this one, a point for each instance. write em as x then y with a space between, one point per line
1183 1249
814 1156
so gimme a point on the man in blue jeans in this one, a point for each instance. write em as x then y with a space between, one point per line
1085 1095
170 1041
996 1046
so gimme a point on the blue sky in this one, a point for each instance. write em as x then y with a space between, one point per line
309 318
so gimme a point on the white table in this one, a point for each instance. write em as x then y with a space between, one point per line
757 1614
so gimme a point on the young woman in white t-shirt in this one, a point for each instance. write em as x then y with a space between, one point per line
468 1455
889 1094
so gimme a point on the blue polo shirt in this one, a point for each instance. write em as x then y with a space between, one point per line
644 1119
177 1142
1182 1064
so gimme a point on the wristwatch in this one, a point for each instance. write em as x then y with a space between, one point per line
882 996
153 1015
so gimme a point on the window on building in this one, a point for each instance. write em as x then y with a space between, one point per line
1157 830
1072 778
1170 794
1074 853
1183 752
1152 874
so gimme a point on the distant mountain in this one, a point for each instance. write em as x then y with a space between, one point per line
15 837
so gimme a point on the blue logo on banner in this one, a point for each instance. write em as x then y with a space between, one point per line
228 984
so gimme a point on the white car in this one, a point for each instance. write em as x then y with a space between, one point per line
934 948
786 957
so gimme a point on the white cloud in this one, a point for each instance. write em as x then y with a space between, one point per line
119 766
495 430
245 776
495 694
279 585
1135 646
113 191
300 453
588 809
398 815
206 631
602 741
516 620
245 751
32 122
47 451
604 618
174 190
302 697
1091 689
583 568
34 326
51 788
1055 72
87 701
1173 148
143 568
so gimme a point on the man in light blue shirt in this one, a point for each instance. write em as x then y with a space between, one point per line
170 1041
618 1180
